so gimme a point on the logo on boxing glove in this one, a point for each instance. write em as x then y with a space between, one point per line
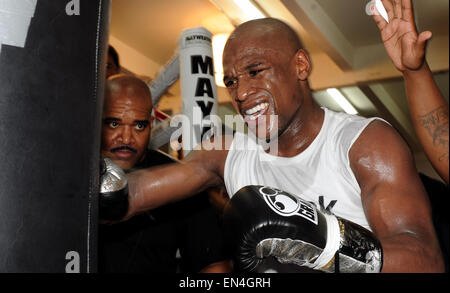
288 205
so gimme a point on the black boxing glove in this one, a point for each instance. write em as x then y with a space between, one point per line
113 199
262 221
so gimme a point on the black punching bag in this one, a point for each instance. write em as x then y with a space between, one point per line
51 95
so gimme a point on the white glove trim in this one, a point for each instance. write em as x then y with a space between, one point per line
332 245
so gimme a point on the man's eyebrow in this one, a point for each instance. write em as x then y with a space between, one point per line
247 67
250 66
145 122
111 119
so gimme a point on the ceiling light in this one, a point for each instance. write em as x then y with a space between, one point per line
218 43
249 8
239 11
342 101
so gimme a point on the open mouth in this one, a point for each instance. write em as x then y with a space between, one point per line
255 112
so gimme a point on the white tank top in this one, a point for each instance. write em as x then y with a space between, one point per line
323 169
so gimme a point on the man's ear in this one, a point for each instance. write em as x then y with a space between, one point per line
302 64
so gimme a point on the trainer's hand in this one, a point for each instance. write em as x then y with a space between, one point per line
113 198
404 45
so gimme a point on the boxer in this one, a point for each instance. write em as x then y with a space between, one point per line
361 168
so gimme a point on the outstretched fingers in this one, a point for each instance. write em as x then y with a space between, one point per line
379 20
389 9
398 13
407 10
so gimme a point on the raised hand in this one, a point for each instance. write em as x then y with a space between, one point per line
404 45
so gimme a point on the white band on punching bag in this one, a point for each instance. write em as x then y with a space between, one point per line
198 88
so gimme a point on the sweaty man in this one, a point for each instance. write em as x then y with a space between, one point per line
360 169
149 241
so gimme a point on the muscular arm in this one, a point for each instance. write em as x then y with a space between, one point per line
395 201
154 187
429 114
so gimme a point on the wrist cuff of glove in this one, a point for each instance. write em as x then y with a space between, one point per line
359 251
325 259
114 205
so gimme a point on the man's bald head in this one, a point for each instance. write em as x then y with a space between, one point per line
121 85
275 32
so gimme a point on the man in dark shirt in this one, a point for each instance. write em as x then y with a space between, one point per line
149 242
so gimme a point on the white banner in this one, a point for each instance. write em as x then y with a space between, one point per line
198 88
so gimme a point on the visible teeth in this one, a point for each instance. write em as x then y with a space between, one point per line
257 108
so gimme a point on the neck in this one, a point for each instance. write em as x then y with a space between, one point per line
302 129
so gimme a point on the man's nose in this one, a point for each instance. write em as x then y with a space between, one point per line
244 90
127 135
